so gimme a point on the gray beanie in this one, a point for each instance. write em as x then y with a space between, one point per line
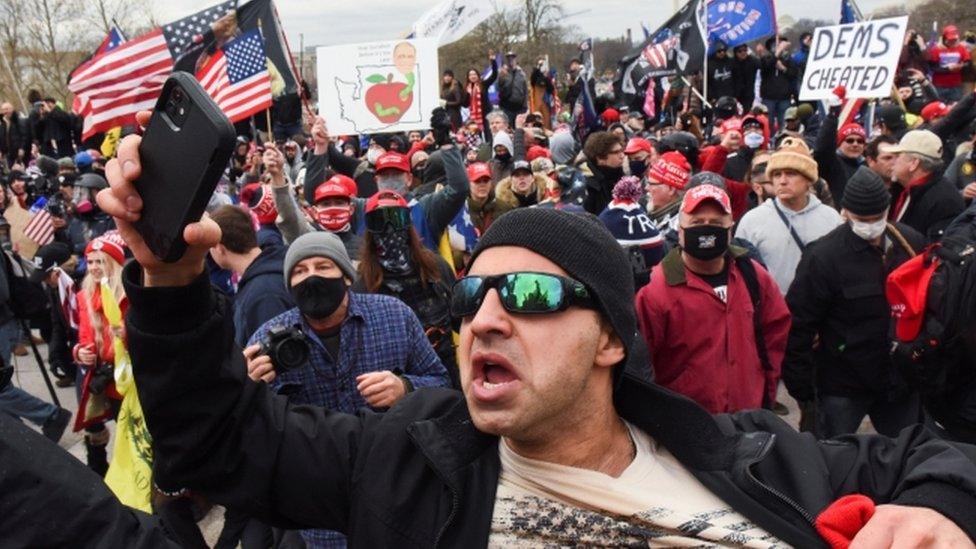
318 244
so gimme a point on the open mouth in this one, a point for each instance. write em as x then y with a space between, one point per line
493 376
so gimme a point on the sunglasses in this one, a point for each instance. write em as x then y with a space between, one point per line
854 141
521 293
386 219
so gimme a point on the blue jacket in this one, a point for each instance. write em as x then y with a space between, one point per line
261 293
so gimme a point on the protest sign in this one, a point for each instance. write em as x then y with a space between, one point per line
450 20
862 57
378 87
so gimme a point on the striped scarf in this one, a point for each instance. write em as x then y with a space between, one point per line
474 90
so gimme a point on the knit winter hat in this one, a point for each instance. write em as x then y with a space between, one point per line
865 193
260 201
571 241
793 154
672 169
848 130
628 222
109 246
318 244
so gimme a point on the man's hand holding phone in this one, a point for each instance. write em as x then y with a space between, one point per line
122 201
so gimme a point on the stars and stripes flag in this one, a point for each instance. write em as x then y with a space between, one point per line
112 40
850 13
237 77
40 227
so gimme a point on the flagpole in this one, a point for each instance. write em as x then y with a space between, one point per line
267 112
705 38
13 79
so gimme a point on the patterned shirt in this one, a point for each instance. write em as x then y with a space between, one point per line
380 333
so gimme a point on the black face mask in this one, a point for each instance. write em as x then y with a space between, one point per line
318 297
503 157
706 242
637 168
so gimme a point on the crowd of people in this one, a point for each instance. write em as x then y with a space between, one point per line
647 273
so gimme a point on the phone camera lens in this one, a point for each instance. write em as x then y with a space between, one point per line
177 95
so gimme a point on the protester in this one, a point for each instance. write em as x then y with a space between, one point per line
13 135
666 181
927 202
476 95
947 59
52 262
453 97
629 224
781 228
839 152
837 361
605 158
523 188
879 158
745 67
720 72
513 87
777 71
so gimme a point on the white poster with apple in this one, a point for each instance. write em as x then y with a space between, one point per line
378 87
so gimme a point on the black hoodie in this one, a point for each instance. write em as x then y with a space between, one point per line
261 293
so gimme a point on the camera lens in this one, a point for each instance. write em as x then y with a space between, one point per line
177 95
292 353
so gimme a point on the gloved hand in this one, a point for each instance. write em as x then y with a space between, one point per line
836 100
440 125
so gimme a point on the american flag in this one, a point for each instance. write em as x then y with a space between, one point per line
183 34
237 77
40 227
112 40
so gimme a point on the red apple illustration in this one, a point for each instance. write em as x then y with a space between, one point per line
384 99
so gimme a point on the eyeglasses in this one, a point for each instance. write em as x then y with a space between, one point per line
521 293
854 141
388 219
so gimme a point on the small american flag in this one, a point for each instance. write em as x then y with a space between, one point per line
40 227
237 77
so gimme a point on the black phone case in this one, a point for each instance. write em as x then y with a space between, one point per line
180 166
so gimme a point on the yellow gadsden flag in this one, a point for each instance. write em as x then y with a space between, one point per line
130 473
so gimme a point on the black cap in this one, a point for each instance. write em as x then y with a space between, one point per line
521 165
751 121
706 178
892 116
865 193
48 257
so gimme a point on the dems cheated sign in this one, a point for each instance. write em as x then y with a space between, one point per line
862 57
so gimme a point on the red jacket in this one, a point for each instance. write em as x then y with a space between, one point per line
704 348
940 57
86 331
712 159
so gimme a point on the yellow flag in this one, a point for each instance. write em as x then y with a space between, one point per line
111 142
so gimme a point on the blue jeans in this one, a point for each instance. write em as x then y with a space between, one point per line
842 415
950 95
777 113
14 400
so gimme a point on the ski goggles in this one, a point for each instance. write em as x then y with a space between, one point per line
521 293
387 219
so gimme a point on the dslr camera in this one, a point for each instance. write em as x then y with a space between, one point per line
287 347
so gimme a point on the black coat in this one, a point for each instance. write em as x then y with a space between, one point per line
721 81
932 207
599 187
744 75
839 294
14 136
421 475
834 167
776 85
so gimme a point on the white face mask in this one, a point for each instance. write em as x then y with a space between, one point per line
753 140
869 231
373 154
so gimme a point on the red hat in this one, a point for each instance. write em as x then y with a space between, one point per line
848 130
260 202
537 151
478 170
385 199
950 33
638 144
696 195
109 246
392 161
934 110
731 125
907 291
610 116
672 169
336 186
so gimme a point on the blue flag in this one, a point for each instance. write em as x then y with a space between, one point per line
740 21
847 12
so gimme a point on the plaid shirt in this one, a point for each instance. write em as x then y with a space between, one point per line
379 333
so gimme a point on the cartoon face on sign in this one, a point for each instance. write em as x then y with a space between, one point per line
387 98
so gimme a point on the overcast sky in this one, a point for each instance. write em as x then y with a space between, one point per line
326 23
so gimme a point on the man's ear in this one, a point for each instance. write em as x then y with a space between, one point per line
610 349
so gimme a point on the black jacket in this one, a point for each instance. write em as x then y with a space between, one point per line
839 294
421 475
720 78
599 187
932 207
261 293
777 85
744 76
834 167
14 136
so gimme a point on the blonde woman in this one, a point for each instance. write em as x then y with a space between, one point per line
98 399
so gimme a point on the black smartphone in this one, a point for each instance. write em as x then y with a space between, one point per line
184 150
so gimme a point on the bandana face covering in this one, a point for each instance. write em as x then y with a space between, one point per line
393 250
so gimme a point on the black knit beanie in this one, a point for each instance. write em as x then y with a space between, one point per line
583 247
865 193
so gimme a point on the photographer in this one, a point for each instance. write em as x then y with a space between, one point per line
362 350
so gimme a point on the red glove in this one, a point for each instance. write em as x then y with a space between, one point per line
843 519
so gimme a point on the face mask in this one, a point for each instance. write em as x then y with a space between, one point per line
333 218
753 140
869 231
318 297
372 155
706 242
637 168
393 251
503 157
396 183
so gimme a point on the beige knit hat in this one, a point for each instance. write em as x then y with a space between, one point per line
793 154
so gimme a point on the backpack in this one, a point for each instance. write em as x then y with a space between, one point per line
28 300
933 309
